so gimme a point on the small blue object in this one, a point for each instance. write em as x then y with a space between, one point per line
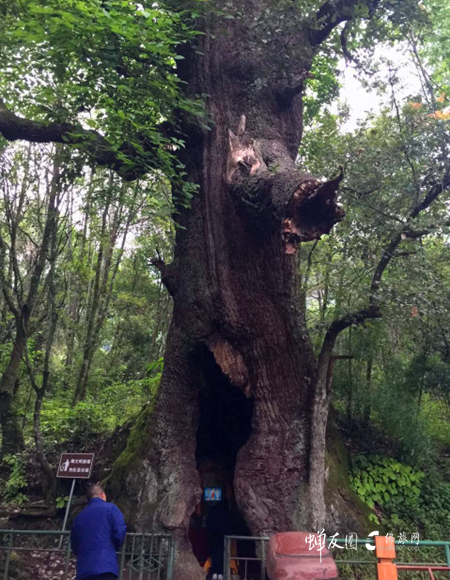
213 494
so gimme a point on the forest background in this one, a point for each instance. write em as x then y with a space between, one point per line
81 247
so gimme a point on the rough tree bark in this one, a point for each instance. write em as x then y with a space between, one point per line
231 280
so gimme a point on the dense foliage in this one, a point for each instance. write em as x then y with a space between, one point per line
105 66
100 313
390 391
100 299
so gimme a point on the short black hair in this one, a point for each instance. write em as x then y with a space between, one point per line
94 490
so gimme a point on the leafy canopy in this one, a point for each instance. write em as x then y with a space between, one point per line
107 64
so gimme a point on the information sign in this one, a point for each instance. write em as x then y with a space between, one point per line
75 465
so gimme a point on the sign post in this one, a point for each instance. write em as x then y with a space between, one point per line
74 466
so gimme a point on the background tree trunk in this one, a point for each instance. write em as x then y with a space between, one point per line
368 405
22 309
106 270
12 435
349 379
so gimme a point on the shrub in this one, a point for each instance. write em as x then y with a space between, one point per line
386 482
13 491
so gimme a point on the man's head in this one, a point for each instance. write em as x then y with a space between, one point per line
95 490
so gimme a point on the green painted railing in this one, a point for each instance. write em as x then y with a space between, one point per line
25 552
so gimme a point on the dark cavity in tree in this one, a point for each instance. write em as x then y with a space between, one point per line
223 429
225 416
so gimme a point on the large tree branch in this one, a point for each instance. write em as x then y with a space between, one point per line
263 178
431 195
334 12
390 251
168 274
14 128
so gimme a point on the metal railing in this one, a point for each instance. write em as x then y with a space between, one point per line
33 555
249 557
251 563
430 569
409 555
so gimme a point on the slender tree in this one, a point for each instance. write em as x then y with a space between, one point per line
22 297
42 388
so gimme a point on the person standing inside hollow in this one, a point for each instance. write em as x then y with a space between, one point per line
97 534
217 524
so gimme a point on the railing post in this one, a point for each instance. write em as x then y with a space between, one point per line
263 559
385 552
152 539
8 557
66 565
66 515
171 558
447 556
226 558
141 559
122 558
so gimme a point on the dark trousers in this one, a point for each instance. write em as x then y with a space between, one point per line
216 546
102 577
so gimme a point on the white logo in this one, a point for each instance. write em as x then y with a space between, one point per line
368 546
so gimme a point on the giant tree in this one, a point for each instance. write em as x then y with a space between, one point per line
236 332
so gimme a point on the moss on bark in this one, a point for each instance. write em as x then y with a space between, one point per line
346 512
127 464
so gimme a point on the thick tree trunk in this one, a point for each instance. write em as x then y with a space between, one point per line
231 280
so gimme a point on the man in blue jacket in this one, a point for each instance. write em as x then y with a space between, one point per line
97 534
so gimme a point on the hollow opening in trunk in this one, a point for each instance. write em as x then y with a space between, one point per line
224 427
